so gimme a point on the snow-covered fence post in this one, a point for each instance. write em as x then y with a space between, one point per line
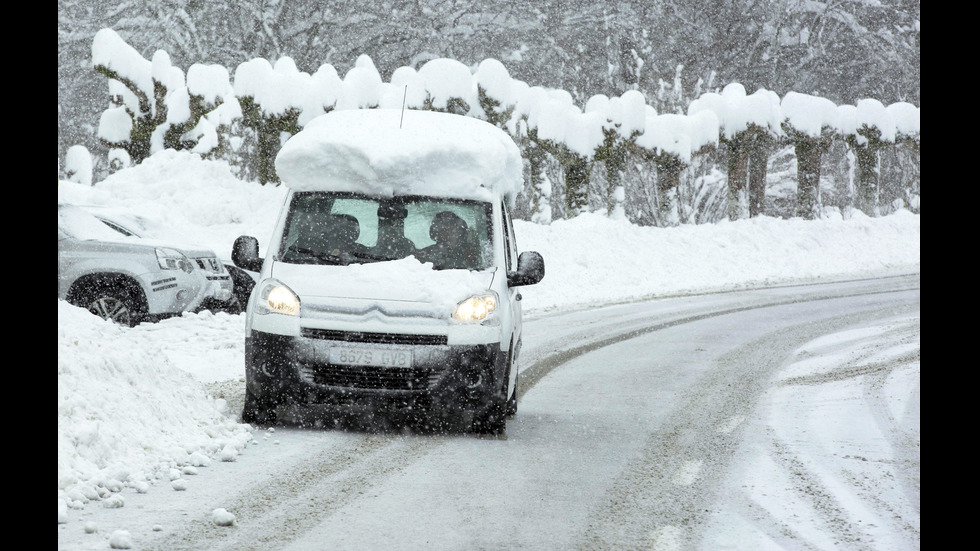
624 119
867 128
809 123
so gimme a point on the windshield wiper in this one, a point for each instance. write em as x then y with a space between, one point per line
319 255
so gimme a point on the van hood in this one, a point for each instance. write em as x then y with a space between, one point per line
405 283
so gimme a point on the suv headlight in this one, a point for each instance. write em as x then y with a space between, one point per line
476 308
276 298
172 259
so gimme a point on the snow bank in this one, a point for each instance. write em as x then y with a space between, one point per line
178 189
126 416
592 259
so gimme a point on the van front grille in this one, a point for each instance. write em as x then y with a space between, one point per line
378 338
372 378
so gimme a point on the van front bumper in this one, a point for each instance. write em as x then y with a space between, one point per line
287 370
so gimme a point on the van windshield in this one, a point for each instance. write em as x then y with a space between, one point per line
348 228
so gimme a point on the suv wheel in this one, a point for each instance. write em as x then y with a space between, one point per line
116 304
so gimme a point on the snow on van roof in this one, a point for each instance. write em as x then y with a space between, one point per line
376 151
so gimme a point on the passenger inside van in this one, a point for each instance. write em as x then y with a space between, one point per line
452 248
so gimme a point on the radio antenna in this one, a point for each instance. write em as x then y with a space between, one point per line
404 95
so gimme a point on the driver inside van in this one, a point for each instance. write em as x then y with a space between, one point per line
329 236
451 249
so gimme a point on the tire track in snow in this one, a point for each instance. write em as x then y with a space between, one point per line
646 507
271 514
833 503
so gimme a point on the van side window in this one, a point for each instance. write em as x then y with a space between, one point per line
510 244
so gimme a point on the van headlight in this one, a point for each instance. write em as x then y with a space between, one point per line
276 298
476 308
172 259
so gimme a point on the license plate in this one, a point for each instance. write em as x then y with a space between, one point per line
371 357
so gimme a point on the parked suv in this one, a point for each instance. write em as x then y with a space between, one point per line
229 286
125 278
392 279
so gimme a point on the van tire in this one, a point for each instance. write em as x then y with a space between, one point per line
511 408
258 411
492 421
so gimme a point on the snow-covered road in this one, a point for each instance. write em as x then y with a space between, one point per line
692 422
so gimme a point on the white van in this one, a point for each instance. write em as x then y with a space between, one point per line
392 279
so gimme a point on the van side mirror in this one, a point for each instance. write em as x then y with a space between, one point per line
245 253
530 270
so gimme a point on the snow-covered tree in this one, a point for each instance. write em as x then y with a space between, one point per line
78 165
747 124
900 183
623 120
153 108
273 98
494 93
212 110
362 85
766 131
572 138
839 50
809 123
670 141
449 86
118 160
867 128
138 92
537 185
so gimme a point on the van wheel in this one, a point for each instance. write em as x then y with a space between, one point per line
511 408
492 421
258 411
